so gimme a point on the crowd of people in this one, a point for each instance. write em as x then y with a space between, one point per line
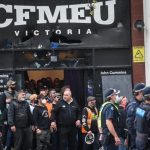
52 121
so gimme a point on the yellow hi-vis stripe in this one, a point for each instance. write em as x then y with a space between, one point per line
100 113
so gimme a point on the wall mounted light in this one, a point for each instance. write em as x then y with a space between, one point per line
139 25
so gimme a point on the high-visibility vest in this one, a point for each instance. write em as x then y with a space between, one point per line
91 116
49 107
100 113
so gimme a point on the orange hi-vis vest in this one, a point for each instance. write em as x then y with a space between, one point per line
91 116
49 108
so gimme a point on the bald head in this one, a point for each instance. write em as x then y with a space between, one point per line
67 96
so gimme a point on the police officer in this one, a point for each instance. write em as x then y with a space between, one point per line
110 121
143 122
131 111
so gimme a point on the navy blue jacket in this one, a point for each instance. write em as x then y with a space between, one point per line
131 114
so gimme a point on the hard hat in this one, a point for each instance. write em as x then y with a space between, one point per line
89 138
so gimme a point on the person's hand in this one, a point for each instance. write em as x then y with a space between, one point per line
126 142
100 137
0 134
33 128
13 128
89 132
53 125
117 140
78 123
38 131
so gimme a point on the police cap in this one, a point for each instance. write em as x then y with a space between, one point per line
139 87
111 92
146 91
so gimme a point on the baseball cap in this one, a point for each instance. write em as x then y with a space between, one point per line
11 82
111 92
44 87
89 98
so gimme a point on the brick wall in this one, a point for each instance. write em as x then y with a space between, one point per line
137 39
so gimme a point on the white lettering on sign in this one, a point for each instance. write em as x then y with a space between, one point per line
113 72
60 15
58 31
8 9
23 14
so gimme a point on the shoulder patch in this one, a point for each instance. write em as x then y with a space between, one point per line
132 109
140 112
63 106
112 108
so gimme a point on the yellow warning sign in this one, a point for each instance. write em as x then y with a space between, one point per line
138 54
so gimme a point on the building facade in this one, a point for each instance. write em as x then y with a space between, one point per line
92 45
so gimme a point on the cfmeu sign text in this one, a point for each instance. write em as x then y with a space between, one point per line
138 54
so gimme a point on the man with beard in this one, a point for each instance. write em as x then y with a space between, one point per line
8 95
20 120
89 124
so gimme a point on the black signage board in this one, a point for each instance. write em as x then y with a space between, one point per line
71 23
120 79
4 77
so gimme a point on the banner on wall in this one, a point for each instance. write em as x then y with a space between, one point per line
98 23
4 77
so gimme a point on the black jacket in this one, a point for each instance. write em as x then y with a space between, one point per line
41 118
19 114
122 122
3 97
66 114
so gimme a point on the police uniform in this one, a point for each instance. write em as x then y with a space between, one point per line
110 111
143 123
131 113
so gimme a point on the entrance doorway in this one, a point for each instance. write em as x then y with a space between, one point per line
56 79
